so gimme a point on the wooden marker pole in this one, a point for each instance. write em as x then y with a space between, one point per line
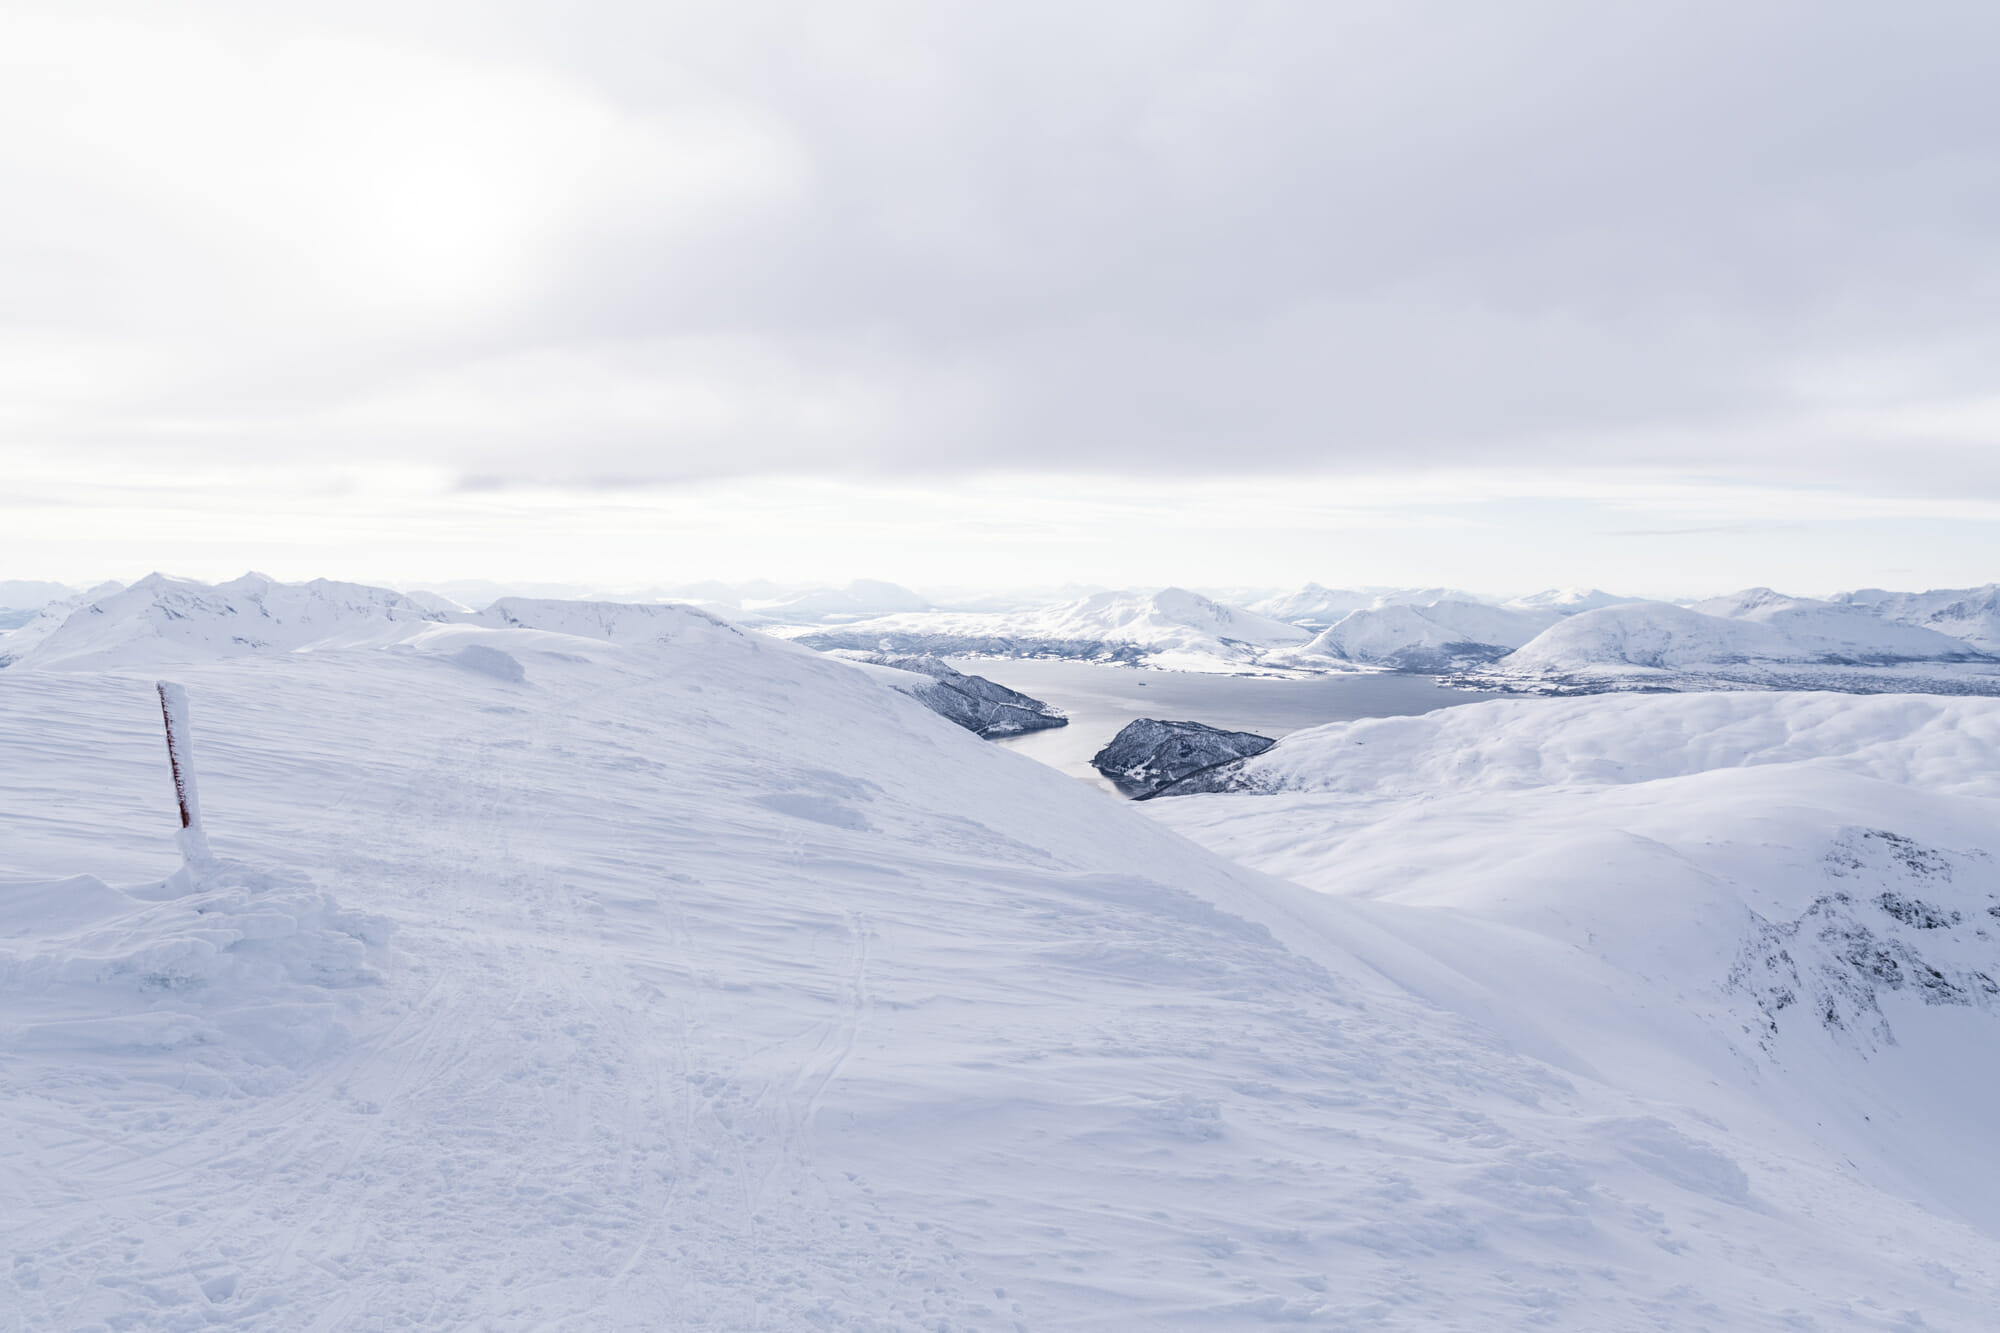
180 753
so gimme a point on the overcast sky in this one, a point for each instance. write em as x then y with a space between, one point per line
1670 297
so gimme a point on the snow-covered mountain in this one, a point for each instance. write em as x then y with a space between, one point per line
1172 629
859 600
1438 636
689 977
167 619
1313 607
1754 638
1654 635
1971 614
1566 601
30 594
1795 897
1837 632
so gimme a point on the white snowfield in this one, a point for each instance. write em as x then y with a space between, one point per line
615 968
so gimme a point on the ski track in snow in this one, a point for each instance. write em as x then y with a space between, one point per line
731 991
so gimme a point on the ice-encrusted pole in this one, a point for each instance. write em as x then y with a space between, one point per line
195 855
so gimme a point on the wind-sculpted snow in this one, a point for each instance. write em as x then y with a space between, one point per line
729 989
230 989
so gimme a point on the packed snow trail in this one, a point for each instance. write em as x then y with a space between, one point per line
695 982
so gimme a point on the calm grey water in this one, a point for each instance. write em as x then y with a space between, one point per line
1101 699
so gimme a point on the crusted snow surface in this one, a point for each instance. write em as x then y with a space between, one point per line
729 989
1781 909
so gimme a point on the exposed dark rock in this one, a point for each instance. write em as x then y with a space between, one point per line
1149 755
974 702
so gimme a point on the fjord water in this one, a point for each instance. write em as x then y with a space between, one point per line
1100 699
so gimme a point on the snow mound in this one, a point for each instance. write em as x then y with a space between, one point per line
244 980
161 620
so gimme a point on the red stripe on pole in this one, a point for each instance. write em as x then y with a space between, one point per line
174 755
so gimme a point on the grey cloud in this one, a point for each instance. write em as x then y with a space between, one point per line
1168 235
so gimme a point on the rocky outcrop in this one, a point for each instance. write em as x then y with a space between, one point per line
1149 755
974 702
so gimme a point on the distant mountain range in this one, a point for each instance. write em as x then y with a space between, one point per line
1560 640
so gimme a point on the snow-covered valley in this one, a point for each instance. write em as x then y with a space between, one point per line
578 965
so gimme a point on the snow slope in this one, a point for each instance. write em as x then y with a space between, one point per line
1784 906
1172 629
687 979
